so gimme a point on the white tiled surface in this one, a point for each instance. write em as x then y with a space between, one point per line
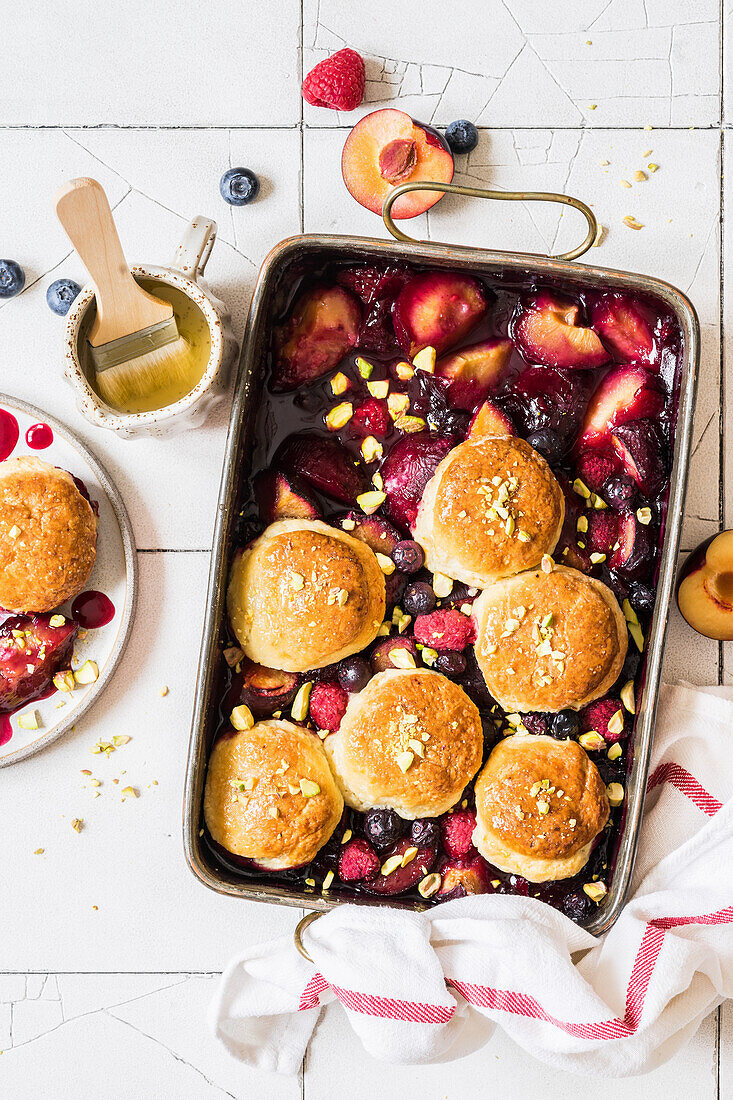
156 101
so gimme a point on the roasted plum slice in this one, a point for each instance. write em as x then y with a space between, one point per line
383 657
406 471
626 393
282 496
489 419
377 288
633 557
549 397
375 531
437 309
387 148
545 329
643 454
31 652
474 371
405 877
460 877
323 326
324 464
265 690
626 327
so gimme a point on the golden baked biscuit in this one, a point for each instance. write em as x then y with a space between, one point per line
549 641
491 509
304 595
540 804
48 536
270 795
411 741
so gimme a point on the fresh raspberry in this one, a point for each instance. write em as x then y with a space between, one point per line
371 417
535 723
595 469
457 832
444 630
336 82
596 716
357 861
373 284
602 531
328 705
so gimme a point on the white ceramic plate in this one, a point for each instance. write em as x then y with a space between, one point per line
115 574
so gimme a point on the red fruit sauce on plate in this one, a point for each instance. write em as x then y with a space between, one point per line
39 436
9 432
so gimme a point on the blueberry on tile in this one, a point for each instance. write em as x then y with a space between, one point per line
239 186
61 294
12 278
462 136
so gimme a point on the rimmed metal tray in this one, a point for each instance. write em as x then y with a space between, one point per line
287 260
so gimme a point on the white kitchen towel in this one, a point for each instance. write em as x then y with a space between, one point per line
428 987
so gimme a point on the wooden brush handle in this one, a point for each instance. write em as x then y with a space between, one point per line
123 307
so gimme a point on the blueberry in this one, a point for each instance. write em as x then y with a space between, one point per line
382 827
454 422
419 598
451 664
12 278
641 596
577 906
354 673
565 724
619 491
548 443
408 556
61 294
425 833
462 136
239 186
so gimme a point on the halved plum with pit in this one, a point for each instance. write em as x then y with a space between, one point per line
406 471
265 690
282 496
633 557
402 878
323 326
641 449
626 327
31 652
474 371
463 876
626 393
545 329
437 309
386 148
324 464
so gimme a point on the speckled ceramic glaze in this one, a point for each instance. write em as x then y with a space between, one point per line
186 275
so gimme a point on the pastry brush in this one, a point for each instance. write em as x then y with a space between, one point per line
134 341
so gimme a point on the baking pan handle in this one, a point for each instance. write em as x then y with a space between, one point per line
482 193
300 928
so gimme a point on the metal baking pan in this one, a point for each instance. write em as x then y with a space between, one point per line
285 262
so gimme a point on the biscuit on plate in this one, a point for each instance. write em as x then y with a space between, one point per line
48 536
304 595
540 804
270 795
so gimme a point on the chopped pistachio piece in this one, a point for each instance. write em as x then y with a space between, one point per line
582 525
627 696
14 532
397 404
378 389
242 718
364 367
57 620
636 633
596 891
616 722
402 658
308 788
299 709
404 760
581 489
87 674
629 613
130 792
233 655
339 384
391 865
597 558
546 564
64 681
77 824
409 424
371 449
404 371
369 502
408 855
347 836
121 739
429 656
644 515
425 360
429 885
29 720
592 741
615 793
327 881
339 415
385 564
442 585
631 222
614 752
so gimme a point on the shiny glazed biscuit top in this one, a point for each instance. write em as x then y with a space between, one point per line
48 536
549 640
541 797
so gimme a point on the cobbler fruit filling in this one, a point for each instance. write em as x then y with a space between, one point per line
377 372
